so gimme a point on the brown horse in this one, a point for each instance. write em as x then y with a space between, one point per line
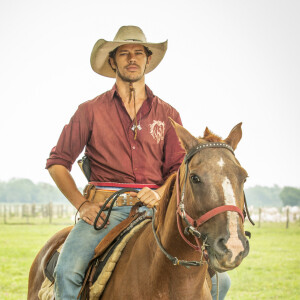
209 186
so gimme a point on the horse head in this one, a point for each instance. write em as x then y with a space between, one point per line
213 179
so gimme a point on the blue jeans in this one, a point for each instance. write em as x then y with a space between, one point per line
78 250
224 285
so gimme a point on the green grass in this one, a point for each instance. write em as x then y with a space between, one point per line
19 244
271 270
39 221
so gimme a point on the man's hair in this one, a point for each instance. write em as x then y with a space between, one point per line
112 55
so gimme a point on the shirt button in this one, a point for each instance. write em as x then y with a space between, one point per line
133 147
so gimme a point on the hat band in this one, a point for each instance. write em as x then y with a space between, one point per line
134 40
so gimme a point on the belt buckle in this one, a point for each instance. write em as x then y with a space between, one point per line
122 201
130 200
124 198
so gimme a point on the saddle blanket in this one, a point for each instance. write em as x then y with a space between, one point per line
105 263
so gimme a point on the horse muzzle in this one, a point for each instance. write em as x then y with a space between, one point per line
227 254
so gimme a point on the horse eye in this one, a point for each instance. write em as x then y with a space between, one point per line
195 179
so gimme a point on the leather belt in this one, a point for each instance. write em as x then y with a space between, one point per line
100 196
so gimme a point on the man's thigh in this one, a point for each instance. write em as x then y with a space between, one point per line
79 246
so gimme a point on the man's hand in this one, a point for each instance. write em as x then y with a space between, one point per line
149 197
88 213
64 181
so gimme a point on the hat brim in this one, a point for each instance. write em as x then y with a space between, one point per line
100 55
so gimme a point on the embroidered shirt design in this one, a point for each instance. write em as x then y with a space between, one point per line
157 130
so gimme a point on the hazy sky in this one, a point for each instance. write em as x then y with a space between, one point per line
227 62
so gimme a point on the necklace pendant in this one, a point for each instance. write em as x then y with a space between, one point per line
139 127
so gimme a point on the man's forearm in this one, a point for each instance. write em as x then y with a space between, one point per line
66 184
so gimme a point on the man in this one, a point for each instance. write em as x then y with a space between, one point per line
129 142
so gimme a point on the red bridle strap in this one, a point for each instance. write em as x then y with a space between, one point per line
195 247
210 214
204 218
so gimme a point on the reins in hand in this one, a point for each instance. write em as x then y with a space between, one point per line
113 198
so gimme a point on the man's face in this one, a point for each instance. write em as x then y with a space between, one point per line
130 62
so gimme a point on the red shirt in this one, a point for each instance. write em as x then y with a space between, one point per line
104 127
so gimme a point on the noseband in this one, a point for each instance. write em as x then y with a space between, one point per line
192 223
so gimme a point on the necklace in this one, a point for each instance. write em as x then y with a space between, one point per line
137 126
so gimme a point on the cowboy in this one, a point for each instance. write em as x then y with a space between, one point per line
128 140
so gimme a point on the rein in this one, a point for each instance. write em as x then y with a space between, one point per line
113 198
175 261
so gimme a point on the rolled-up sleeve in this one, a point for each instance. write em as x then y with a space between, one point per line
173 152
72 140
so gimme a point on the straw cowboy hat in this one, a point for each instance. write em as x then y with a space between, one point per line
125 35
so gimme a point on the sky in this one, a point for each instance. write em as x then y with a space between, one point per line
227 62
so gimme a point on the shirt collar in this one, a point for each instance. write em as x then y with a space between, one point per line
148 102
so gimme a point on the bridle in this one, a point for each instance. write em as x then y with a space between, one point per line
192 224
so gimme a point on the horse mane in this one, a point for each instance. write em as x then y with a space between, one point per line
164 201
209 136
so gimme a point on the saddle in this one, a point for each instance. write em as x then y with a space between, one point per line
108 252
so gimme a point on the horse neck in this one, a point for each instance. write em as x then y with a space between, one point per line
169 234
176 246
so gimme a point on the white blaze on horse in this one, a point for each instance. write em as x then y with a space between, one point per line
205 199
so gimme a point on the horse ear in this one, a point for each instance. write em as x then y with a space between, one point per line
187 140
234 136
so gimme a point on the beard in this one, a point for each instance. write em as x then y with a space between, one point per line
130 77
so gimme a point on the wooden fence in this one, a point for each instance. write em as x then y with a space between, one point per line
65 213
36 213
286 215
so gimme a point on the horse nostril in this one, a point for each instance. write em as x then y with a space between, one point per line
247 244
220 245
221 242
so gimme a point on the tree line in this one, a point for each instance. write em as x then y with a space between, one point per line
21 190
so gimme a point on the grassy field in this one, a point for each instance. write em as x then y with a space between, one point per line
272 268
271 271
